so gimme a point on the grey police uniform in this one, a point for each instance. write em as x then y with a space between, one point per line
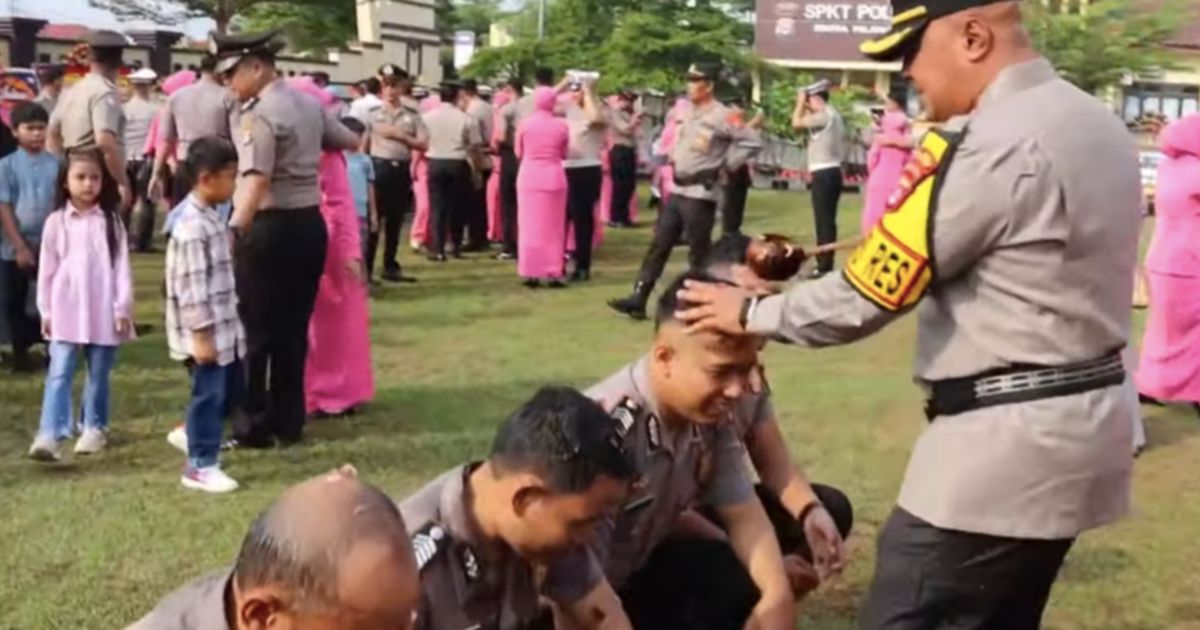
87 108
826 151
622 158
461 590
199 605
1020 233
392 160
585 177
477 221
200 110
452 134
509 168
680 467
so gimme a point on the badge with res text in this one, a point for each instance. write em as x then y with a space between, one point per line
892 268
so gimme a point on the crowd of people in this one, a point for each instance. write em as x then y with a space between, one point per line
1012 233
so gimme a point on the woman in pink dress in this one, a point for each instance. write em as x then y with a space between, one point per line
542 193
1170 359
886 159
338 376
420 176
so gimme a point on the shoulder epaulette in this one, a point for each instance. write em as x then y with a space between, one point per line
427 543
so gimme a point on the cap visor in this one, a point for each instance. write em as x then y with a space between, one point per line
891 47
227 64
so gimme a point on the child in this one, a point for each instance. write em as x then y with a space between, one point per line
27 180
85 298
203 328
362 183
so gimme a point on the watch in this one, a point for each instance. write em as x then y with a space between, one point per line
748 306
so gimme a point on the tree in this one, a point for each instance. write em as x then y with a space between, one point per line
176 12
1108 41
308 26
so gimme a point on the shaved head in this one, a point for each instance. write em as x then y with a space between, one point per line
331 545
959 56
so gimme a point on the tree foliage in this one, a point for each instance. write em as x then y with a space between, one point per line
1108 41
779 102
176 12
308 26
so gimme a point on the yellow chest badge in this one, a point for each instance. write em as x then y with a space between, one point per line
892 268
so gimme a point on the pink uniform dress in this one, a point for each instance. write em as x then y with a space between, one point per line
1170 357
495 221
885 164
542 191
338 375
420 176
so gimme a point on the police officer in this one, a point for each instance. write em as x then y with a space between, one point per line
587 124
454 139
280 134
556 465
826 150
622 158
324 550
708 143
90 115
484 115
1016 225
51 77
396 130
140 111
509 166
200 110
739 180
674 405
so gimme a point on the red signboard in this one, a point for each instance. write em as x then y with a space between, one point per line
819 30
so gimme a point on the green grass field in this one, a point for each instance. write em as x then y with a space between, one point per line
94 543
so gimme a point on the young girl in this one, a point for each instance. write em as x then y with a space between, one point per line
85 298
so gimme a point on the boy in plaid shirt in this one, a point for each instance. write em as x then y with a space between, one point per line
203 328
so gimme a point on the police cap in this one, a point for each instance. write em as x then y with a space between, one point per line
909 19
107 39
231 49
392 71
704 72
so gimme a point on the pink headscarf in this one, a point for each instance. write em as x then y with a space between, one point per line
1181 137
170 85
430 103
545 99
309 87
501 99
178 81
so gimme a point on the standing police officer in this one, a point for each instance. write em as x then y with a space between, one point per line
1017 224
90 114
484 115
622 158
454 137
826 150
509 167
396 130
280 134
708 143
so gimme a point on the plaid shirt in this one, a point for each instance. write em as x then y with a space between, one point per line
200 284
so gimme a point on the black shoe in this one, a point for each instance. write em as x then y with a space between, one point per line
532 283
581 275
556 284
474 248
397 276
635 305
456 254
440 258
505 256
1147 400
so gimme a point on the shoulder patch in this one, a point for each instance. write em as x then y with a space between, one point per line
427 543
626 415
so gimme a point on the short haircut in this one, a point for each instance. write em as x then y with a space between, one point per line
29 113
565 438
470 86
209 155
354 124
50 74
669 304
728 250
107 57
517 84
544 76
449 93
373 86
276 552
208 64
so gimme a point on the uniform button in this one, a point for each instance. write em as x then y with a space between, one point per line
437 533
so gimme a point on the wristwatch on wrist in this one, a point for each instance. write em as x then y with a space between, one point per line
808 509
748 306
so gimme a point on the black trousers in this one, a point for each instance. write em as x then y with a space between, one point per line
477 213
623 164
278 267
141 223
394 198
733 212
699 584
583 191
25 329
697 216
509 167
826 193
449 195
928 578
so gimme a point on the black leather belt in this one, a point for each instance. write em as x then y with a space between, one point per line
393 163
1022 384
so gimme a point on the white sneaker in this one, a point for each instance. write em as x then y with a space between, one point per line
178 438
46 449
211 479
93 441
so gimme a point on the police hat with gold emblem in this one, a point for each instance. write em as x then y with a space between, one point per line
231 49
107 39
392 71
909 19
704 72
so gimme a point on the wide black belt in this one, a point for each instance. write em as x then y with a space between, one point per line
1022 384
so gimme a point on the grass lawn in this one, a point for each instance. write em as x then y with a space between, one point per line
95 543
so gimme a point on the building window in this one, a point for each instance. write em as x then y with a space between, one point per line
43 57
1170 101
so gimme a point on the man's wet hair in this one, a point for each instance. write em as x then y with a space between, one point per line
208 64
29 113
209 155
563 437
544 77
728 250
669 304
281 550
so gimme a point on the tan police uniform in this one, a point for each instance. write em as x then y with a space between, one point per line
200 110
623 162
1016 231
509 169
199 605
87 108
460 587
453 134
585 177
477 219
392 160
680 467
708 143
826 151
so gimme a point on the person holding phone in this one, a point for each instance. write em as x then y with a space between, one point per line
826 150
